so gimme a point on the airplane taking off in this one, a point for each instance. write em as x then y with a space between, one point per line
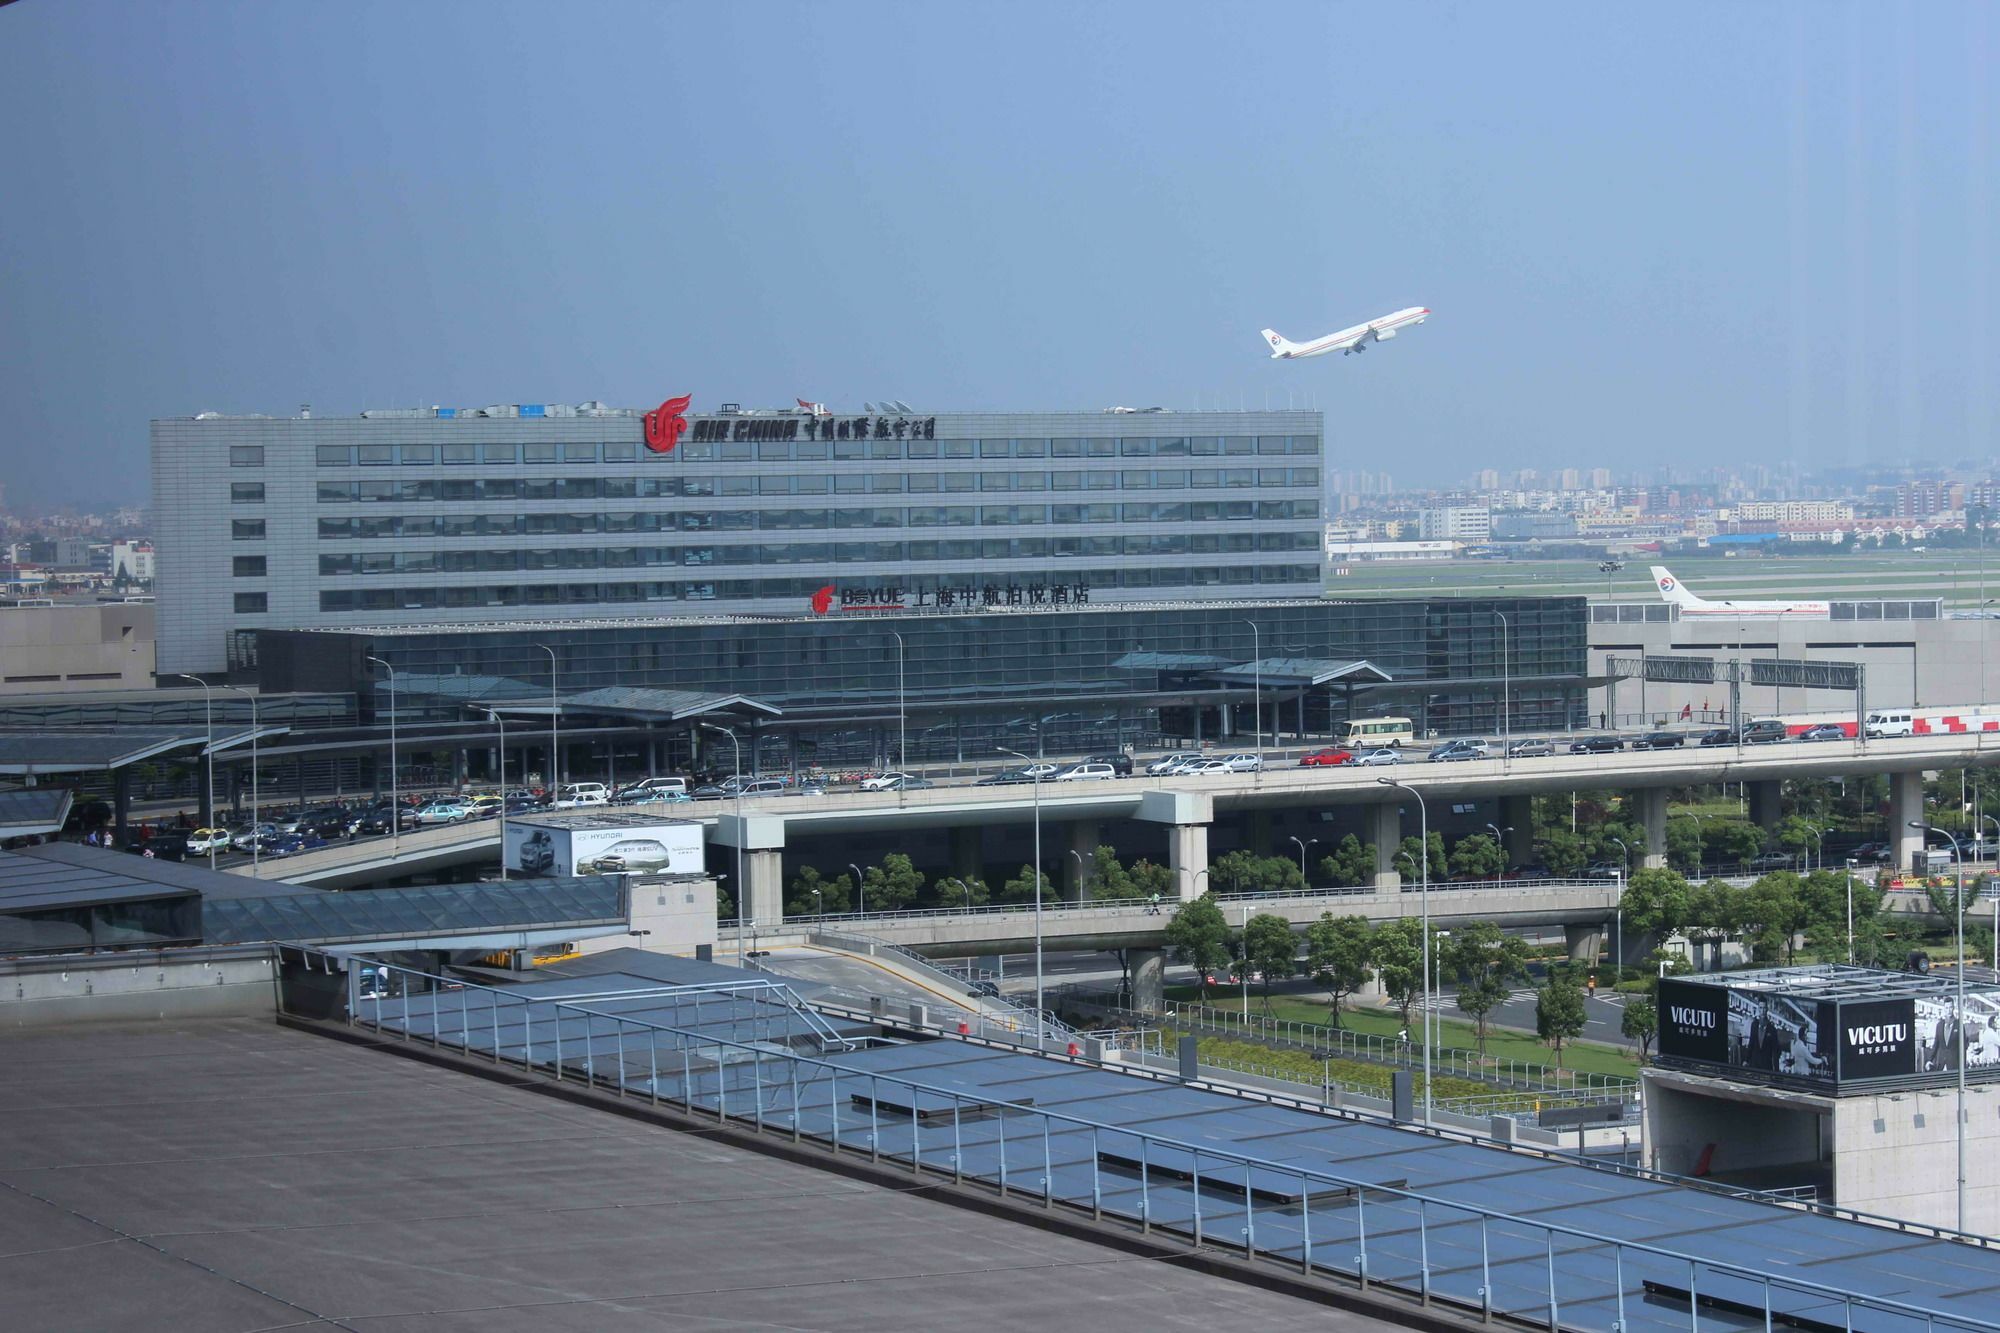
1674 591
1355 339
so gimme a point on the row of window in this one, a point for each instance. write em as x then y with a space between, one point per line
580 594
858 483
786 451
804 553
811 520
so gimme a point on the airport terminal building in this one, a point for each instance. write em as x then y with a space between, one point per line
500 514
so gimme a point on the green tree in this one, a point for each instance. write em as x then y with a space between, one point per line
1684 847
1107 880
1640 1022
725 905
1409 858
1150 881
1338 950
964 891
893 885
1712 908
1198 934
1559 1014
1247 872
835 895
1657 902
1483 959
1795 834
1021 888
1351 863
1769 913
1732 841
1477 857
1269 947
1564 852
1399 962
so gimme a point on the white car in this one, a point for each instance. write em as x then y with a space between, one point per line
205 840
884 781
1242 763
1171 763
1202 767
1087 773
581 794
1385 755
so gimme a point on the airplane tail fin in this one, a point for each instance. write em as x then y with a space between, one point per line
1280 344
1671 589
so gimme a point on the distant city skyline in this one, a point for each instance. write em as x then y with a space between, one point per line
1763 235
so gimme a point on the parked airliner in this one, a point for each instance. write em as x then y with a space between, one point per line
1674 591
1354 339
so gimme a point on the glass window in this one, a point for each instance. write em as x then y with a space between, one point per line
923 449
1068 481
620 488
417 490
499 453
538 488
461 453
246 529
246 492
540 453
886 483
923 482
1305 476
996 448
1238 444
621 451
1136 448
1305 444
334 492
774 451
420 454
996 481
1272 476
1239 476
576 452
810 450
774 485
576 488
850 450
1031 481
1205 445
336 527
739 486
1136 481
1170 446
1066 448
701 452
1105 448
333 455
885 449
815 484
1170 478
375 455
1031 448
247 566
958 448
1100 481
248 603
849 483
1273 444
960 481
246 455
735 451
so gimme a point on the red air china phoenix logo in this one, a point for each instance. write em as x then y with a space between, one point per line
665 425
822 600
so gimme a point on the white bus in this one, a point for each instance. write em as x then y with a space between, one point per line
1375 732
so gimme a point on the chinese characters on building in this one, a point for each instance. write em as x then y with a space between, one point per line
963 597
815 428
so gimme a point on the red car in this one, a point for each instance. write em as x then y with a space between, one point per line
1328 758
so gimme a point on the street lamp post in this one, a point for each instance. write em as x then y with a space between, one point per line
1303 844
395 797
902 709
1506 691
501 720
1500 841
1819 842
1424 864
1243 968
555 736
742 889
1848 876
1996 902
1958 1019
1082 873
208 810
1257 686
860 890
1041 1028
1618 921
256 845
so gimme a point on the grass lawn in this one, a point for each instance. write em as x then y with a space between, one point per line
1353 1075
1504 1043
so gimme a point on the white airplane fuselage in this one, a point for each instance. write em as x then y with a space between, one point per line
1353 339
1674 591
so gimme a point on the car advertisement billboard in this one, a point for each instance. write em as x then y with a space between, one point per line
561 852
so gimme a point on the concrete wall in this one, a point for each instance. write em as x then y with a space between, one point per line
680 914
1753 1129
60 649
166 986
1897 1154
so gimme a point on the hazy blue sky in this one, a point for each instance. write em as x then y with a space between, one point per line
1696 233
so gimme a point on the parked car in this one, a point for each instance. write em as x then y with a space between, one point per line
1533 870
883 782
1824 731
1531 749
580 796
444 812
909 782
1660 740
1771 861
1121 763
1006 777
1596 745
1388 754
205 840
650 796
1087 772
1871 853
1242 763
1167 763
1720 736
637 791
1456 751
160 847
1603 870
1331 757
383 818
291 844
243 835
1764 732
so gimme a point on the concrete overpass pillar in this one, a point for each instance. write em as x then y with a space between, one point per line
1187 816
1652 821
1084 836
1386 833
1148 968
1584 941
1906 804
965 853
1766 803
1518 813
765 871
1257 828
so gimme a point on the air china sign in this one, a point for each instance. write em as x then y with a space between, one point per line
669 421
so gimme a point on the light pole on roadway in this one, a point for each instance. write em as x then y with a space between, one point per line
1958 1018
1041 1023
395 797
208 810
1303 844
1424 864
742 889
256 844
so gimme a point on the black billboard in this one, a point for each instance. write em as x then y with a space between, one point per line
1877 1038
1694 1021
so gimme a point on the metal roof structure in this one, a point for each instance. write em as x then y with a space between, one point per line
641 702
1524 1234
1303 671
34 883
27 811
99 751
1145 661
465 687
432 913
1843 981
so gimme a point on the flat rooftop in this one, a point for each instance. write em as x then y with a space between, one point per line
233 1175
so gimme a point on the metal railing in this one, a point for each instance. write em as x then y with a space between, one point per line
1049 1024
1316 1222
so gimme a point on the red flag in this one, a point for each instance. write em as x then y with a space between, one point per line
1687 711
